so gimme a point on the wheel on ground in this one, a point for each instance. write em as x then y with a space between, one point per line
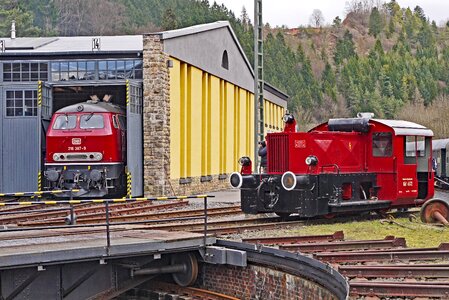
283 215
433 210
190 262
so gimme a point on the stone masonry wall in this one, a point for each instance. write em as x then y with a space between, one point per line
156 117
257 282
198 187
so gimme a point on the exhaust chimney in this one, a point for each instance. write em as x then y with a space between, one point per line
13 29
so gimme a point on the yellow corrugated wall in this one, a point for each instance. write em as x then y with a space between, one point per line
215 126
211 123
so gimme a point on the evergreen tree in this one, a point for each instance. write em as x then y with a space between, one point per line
375 22
169 21
344 49
11 10
391 28
419 12
329 82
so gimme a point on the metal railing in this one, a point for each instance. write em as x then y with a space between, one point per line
106 202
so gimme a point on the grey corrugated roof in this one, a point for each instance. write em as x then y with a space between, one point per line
193 29
75 44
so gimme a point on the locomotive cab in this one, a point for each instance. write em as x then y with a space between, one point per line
86 149
343 165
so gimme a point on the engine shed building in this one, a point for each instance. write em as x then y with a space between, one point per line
188 95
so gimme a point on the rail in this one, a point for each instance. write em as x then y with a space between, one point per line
106 202
38 193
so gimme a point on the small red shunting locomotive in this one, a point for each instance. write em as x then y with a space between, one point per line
343 165
86 149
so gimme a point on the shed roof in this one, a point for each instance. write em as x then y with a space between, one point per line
72 44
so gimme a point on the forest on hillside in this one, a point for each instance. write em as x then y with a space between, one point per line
381 58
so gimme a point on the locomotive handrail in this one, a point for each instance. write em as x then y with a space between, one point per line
331 165
38 193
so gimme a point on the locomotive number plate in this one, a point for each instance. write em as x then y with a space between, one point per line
300 144
76 141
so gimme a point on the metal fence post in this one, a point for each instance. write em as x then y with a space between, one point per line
72 215
205 221
108 237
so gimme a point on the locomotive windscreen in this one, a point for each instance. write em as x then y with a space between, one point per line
348 125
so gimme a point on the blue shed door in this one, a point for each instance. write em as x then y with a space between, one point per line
134 138
19 139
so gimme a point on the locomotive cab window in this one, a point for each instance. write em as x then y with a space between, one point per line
415 146
114 121
91 121
382 144
65 122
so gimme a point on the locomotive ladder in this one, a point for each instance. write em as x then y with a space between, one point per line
258 80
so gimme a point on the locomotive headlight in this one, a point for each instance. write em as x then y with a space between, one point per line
236 180
311 160
288 181
98 156
55 157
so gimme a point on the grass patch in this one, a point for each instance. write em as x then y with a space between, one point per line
416 234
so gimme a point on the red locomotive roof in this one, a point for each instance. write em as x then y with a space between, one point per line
91 106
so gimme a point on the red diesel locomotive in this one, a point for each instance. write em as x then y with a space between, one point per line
86 149
343 165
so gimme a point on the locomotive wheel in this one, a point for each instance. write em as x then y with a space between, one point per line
190 273
435 211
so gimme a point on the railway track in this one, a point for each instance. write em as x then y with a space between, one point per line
82 211
376 268
139 215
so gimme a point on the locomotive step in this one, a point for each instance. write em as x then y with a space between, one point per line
359 205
